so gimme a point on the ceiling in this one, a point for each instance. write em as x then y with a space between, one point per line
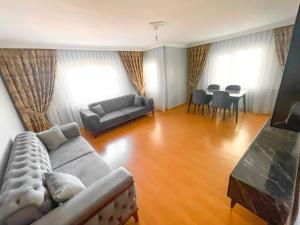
115 24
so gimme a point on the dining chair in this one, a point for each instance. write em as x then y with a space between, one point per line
200 98
221 100
233 88
213 87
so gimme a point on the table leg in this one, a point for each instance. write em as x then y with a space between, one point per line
190 102
236 106
232 203
244 103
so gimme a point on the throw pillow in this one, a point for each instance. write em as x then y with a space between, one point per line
52 138
63 186
98 109
138 101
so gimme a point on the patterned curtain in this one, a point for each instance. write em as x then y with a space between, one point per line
197 57
29 75
283 36
133 63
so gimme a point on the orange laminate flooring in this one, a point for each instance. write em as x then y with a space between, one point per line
181 164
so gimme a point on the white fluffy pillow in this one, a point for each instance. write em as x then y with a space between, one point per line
52 138
63 186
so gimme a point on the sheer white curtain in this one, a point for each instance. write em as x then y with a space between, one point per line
249 61
84 77
155 76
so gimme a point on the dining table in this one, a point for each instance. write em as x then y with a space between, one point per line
234 95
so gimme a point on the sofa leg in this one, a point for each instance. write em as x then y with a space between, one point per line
153 112
136 217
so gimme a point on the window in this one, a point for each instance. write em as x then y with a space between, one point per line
238 67
249 61
91 83
84 77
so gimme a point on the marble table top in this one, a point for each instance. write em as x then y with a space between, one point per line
270 165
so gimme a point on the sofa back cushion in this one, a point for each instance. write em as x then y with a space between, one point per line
23 191
4 155
115 103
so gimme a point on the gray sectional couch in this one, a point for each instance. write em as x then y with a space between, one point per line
109 197
117 111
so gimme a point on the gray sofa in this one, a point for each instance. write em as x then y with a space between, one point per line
117 111
109 198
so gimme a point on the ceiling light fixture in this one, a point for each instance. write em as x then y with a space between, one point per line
156 26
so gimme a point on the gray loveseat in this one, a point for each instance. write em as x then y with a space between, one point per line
117 111
109 198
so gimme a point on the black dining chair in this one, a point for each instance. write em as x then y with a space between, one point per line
221 100
200 98
233 88
213 87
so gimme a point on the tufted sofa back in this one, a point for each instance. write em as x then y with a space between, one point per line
115 103
4 155
23 197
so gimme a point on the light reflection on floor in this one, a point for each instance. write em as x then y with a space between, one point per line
156 134
118 152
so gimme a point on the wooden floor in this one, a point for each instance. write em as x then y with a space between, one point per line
181 163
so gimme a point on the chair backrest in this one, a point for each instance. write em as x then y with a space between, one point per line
221 99
213 87
200 97
233 88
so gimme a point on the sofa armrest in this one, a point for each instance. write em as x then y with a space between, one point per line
70 130
89 202
149 102
90 120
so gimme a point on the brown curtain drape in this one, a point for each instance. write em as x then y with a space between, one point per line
283 36
133 63
196 59
29 75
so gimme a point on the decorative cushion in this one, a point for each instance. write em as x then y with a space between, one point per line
52 138
63 186
98 109
138 101
22 190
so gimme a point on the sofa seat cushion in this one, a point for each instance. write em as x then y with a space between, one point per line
112 119
135 111
73 149
89 168
23 191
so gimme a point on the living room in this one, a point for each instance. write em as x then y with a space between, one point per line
146 113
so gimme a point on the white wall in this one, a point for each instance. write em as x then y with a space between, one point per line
165 76
176 69
10 124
